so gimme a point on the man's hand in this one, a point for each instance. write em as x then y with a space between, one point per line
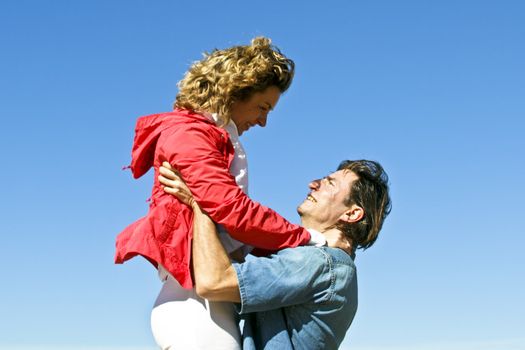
174 185
336 239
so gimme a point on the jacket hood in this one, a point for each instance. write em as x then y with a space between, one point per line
147 132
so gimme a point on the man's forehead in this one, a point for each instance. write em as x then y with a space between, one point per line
344 175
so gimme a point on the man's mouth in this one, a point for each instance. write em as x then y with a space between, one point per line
311 199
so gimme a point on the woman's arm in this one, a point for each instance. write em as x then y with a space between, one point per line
200 154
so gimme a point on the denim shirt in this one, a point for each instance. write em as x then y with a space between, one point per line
299 298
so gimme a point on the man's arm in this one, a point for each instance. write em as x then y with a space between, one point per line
293 276
215 277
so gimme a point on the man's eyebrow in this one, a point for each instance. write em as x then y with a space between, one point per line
269 105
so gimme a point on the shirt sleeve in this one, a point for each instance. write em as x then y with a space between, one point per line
199 154
290 277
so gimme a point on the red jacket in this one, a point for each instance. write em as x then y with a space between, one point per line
203 153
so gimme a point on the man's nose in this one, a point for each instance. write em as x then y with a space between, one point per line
314 184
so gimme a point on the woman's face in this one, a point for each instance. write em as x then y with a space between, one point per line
255 109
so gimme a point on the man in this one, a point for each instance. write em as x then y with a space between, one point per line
304 297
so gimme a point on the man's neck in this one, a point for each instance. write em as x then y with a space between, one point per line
312 225
321 228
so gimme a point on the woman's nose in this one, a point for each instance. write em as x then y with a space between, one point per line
262 120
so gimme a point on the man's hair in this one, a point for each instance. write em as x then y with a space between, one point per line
225 76
370 192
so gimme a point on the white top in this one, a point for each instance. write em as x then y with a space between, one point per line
239 170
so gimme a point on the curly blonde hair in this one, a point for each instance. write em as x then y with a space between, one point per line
234 74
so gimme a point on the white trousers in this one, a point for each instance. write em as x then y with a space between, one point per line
182 320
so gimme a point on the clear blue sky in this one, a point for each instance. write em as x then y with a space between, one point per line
435 91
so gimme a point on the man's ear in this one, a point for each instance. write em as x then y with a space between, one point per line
354 214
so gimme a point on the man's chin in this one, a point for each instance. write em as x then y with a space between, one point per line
300 210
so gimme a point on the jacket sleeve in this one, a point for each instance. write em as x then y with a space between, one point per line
196 152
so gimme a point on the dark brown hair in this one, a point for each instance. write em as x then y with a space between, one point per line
370 192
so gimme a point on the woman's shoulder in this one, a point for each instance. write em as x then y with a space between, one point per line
185 120
193 131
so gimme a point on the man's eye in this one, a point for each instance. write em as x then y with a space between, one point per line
329 180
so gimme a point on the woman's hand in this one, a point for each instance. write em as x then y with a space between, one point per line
336 239
174 185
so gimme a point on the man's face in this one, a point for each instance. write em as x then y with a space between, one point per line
255 109
324 206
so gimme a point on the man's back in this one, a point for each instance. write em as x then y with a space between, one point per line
299 298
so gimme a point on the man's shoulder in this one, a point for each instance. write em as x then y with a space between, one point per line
337 253
325 255
339 256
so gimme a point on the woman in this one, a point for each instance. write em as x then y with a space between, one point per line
219 98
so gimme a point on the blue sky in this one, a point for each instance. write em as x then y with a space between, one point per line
433 90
